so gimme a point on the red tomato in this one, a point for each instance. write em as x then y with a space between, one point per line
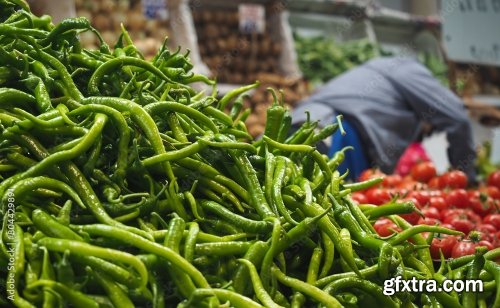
445 245
487 231
423 171
462 225
492 191
438 203
492 219
423 196
385 227
434 183
392 180
461 219
472 193
360 198
494 179
458 198
487 244
431 212
483 207
411 217
378 196
450 215
454 179
463 248
369 174
486 228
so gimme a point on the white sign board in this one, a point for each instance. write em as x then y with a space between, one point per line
471 30
252 18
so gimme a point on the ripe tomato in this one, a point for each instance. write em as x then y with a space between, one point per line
445 245
392 180
492 219
434 183
483 207
461 219
385 227
431 212
438 203
486 228
473 193
423 171
359 197
422 196
487 244
462 225
369 174
491 191
411 217
487 231
494 179
463 248
458 198
454 179
378 196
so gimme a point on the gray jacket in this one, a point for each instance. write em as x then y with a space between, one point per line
387 100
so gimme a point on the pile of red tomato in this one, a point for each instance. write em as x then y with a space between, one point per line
443 200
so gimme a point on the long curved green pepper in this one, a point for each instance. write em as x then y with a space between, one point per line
51 160
23 187
113 64
69 85
147 245
279 176
469 299
236 300
14 97
247 225
84 249
143 120
259 289
406 234
123 129
494 269
365 285
76 298
315 293
15 271
158 107
233 93
51 227
68 24
115 293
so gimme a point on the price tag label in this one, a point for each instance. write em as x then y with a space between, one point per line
155 9
252 18
470 30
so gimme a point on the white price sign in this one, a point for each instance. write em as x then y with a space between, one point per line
252 18
470 30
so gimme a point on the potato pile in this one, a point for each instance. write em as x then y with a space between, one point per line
232 56
477 80
107 15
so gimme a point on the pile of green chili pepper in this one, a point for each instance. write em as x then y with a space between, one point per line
122 186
